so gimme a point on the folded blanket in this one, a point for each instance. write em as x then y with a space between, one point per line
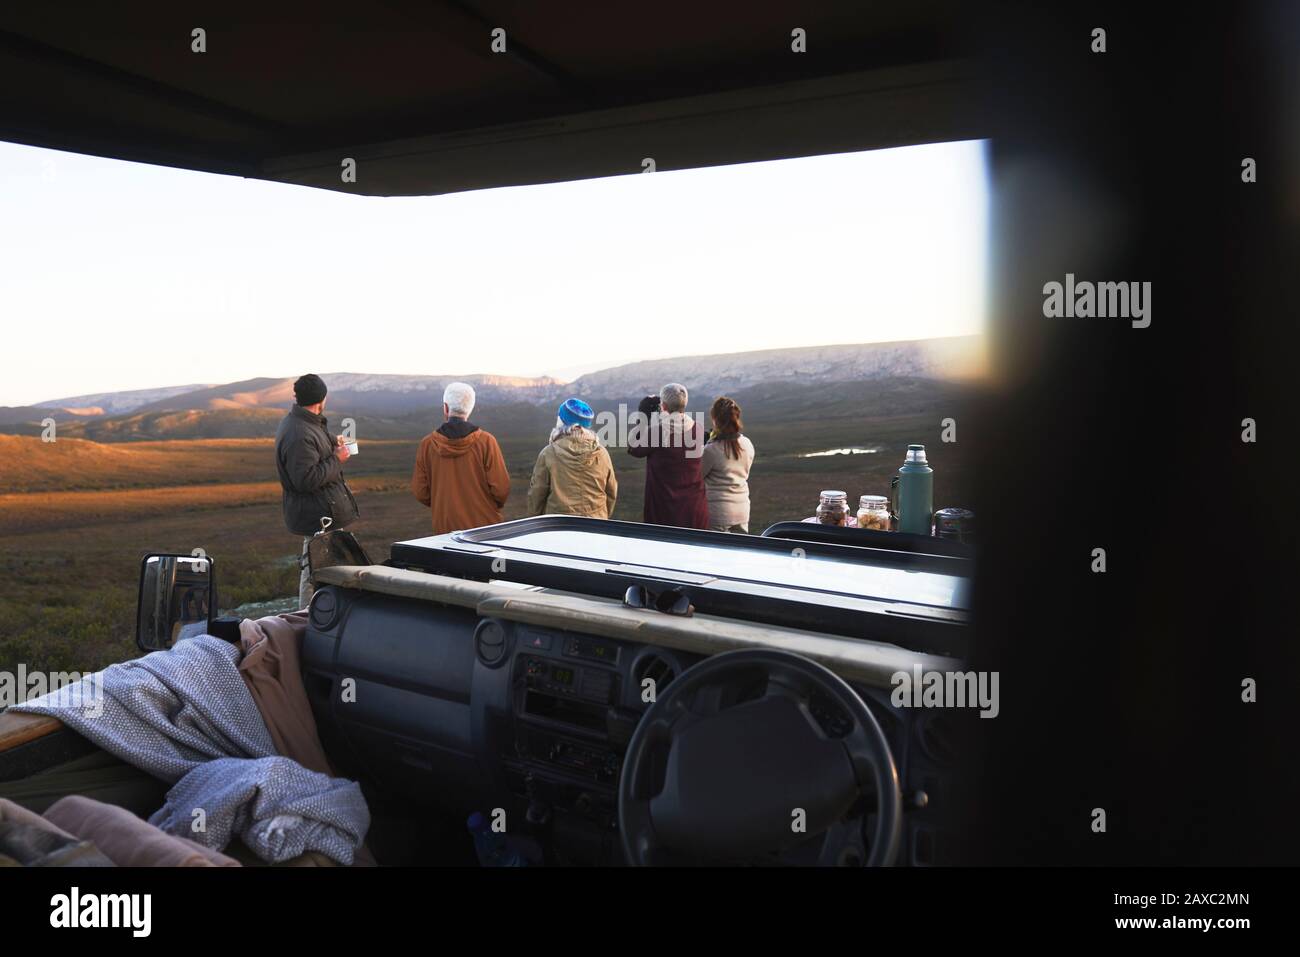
186 715
128 841
277 807
165 713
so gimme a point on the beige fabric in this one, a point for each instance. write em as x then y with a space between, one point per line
726 483
128 841
272 670
573 475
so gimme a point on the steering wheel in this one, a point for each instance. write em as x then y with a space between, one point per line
745 747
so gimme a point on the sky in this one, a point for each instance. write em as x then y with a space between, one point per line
118 275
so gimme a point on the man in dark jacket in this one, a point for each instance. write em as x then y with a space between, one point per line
671 445
310 463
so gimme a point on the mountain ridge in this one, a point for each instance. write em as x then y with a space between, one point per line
394 394
395 405
785 419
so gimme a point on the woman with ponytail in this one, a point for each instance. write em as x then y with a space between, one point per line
727 458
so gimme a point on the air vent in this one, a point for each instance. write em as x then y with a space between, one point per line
323 609
658 669
490 642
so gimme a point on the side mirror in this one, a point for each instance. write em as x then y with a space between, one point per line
177 600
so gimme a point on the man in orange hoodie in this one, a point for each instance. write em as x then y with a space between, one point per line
460 472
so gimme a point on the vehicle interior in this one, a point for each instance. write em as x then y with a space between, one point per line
496 668
505 667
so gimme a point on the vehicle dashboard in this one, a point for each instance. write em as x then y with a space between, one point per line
473 712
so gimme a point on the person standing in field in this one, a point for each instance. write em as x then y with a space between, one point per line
460 473
672 446
728 456
573 474
310 465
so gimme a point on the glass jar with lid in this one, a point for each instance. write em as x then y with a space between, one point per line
873 512
955 524
833 508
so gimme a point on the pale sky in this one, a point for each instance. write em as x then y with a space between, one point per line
119 275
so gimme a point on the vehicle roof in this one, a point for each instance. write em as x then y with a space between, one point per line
913 600
413 93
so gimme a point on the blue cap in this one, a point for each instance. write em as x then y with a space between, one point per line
576 412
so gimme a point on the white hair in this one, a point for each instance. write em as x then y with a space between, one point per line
459 399
672 397
563 428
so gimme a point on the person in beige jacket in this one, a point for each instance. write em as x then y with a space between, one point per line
573 474
728 456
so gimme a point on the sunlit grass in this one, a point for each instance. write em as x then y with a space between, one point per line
69 560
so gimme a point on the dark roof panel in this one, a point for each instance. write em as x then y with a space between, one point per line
122 81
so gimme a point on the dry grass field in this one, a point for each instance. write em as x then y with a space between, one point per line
76 516
28 464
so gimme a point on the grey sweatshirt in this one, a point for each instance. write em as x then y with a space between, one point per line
726 482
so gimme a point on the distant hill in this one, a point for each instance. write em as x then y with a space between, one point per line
395 395
400 406
188 424
951 358
386 395
247 394
30 417
785 420
117 403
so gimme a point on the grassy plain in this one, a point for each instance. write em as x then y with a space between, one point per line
76 516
